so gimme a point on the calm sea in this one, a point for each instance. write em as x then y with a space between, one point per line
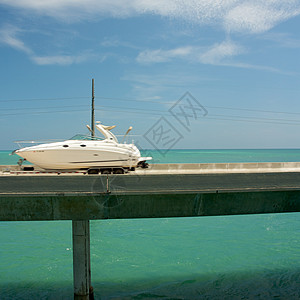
232 257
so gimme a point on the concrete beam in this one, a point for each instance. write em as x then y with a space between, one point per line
109 206
149 196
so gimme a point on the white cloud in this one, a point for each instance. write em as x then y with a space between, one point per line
113 42
255 67
8 36
221 54
64 60
285 40
218 52
245 16
165 83
159 55
55 60
260 16
252 16
207 55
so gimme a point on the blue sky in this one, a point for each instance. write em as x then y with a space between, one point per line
239 60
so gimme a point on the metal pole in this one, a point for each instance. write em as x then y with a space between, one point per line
93 109
81 259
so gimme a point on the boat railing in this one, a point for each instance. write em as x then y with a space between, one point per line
86 138
28 143
21 144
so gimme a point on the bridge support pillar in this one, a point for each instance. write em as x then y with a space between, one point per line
81 260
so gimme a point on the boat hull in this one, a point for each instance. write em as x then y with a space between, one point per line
72 155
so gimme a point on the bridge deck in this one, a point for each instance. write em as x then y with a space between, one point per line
162 191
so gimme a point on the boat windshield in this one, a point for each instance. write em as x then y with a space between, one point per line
83 137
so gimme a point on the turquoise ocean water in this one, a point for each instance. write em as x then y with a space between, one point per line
230 257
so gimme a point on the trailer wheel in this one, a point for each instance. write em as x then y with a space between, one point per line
143 164
28 169
105 171
118 171
93 171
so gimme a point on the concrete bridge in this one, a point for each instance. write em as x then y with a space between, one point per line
171 190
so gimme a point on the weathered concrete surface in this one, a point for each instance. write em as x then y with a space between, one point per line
29 208
147 184
193 168
149 196
223 168
81 259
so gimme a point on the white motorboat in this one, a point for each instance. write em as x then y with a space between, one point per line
86 153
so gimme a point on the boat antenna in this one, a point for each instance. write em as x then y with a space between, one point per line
89 128
129 129
93 110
